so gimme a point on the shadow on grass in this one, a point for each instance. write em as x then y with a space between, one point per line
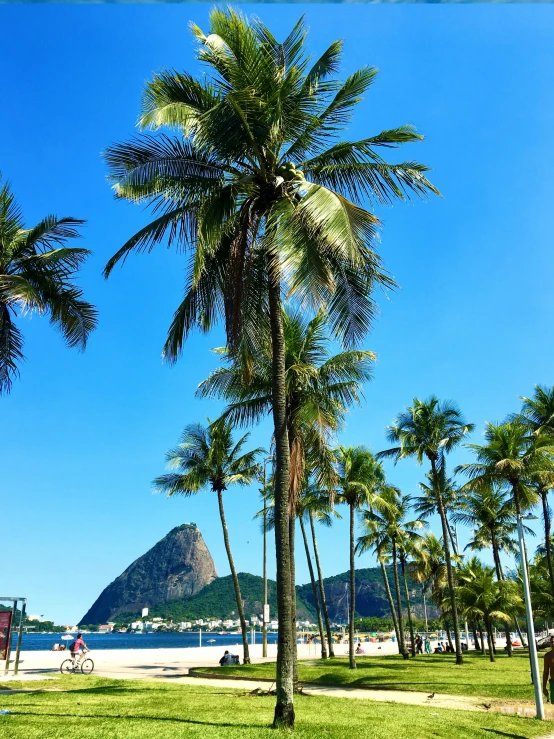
503 733
124 717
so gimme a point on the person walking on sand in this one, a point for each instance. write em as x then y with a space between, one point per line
548 672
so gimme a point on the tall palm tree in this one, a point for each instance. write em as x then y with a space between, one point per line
430 429
360 481
208 458
37 273
254 180
538 413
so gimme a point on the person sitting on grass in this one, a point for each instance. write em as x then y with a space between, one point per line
548 672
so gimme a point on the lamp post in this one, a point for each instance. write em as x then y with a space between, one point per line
264 615
529 614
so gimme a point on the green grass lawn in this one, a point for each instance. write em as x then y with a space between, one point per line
505 678
97 708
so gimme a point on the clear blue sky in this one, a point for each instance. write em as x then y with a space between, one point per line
84 434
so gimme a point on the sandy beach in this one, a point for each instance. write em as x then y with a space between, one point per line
154 663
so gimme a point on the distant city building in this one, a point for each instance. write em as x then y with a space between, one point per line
105 628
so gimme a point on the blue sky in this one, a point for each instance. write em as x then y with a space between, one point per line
84 434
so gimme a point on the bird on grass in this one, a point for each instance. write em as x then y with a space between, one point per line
430 696
487 705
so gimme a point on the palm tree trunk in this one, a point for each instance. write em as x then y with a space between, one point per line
488 626
322 590
292 524
546 516
407 596
284 709
450 575
400 632
448 637
389 598
352 591
314 590
240 609
475 636
483 648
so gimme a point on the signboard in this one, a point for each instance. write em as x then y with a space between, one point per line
266 613
5 623
144 612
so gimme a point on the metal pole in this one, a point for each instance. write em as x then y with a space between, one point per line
530 625
10 630
200 635
264 624
19 636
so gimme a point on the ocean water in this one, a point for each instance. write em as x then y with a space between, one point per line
35 642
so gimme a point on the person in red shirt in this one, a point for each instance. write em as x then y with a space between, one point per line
78 648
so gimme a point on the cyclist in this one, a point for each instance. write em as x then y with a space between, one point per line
78 648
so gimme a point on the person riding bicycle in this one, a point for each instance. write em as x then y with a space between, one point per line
78 648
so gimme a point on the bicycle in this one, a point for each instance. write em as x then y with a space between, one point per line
73 665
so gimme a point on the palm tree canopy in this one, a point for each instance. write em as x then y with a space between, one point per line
426 505
428 565
37 273
253 179
481 595
361 479
538 411
511 454
319 389
427 429
382 527
208 458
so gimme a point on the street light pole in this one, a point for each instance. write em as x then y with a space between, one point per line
530 625
264 621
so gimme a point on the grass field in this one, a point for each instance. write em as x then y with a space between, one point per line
505 678
97 708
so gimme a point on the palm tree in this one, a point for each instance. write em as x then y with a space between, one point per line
391 527
481 595
538 413
430 429
254 179
313 503
208 458
320 517
360 480
492 516
511 456
319 389
426 505
37 272
376 538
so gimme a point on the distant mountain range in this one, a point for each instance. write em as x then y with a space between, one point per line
177 579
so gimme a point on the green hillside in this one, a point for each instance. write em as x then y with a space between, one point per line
217 600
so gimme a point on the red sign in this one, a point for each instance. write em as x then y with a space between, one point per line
5 621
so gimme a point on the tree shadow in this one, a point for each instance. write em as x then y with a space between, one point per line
125 717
